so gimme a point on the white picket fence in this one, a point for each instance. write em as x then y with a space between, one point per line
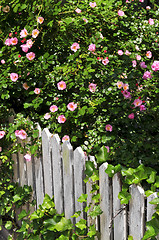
60 172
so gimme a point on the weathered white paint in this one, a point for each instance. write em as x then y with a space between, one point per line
136 212
79 185
67 155
39 180
57 173
119 211
47 163
105 203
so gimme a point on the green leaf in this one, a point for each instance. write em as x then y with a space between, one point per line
22 214
89 168
82 198
130 237
152 229
16 198
81 224
124 197
64 224
152 177
8 225
102 155
50 224
96 211
155 201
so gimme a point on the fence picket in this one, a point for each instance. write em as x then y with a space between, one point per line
57 173
136 212
39 181
119 211
30 181
47 163
105 204
79 186
67 154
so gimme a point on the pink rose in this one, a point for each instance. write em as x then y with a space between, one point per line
53 108
35 33
85 20
142 65
107 147
149 54
119 84
155 66
131 116
3 61
92 47
121 13
137 102
78 10
21 134
61 85
105 61
142 108
65 138
72 106
75 46
27 157
40 20
134 63
92 87
29 43
120 52
14 41
14 77
127 53
30 56
47 116
23 33
138 57
2 133
24 47
126 94
37 90
125 86
25 86
7 42
108 128
92 4
147 75
151 21
61 119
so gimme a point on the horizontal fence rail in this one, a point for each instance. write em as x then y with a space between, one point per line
59 172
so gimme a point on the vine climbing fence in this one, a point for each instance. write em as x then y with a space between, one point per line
59 172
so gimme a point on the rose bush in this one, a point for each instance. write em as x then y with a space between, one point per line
86 70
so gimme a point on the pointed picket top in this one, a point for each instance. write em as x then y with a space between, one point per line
105 190
67 156
40 130
79 185
136 212
47 163
151 207
119 211
57 173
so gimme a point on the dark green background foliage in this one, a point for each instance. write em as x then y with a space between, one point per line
130 140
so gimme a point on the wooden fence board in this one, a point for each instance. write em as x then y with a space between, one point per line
105 203
119 211
67 155
39 182
79 186
136 212
57 173
15 167
47 163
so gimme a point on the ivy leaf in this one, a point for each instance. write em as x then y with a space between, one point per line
96 211
155 201
124 197
64 224
8 225
22 214
81 224
89 168
82 198
102 155
152 229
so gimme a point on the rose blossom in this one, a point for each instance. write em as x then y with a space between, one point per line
35 33
92 87
105 61
127 53
125 86
65 138
27 157
107 147
47 116
149 54
121 13
61 85
126 94
24 47
131 116
108 128
142 65
30 56
25 86
53 108
142 108
78 10
29 43
14 77
37 90
151 21
148 7
7 42
3 61
119 84
21 134
137 102
92 4
72 106
14 41
92 47
61 119
147 75
155 66
2 133
75 46
23 33
141 1
40 20
138 57
134 63
85 20
120 52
